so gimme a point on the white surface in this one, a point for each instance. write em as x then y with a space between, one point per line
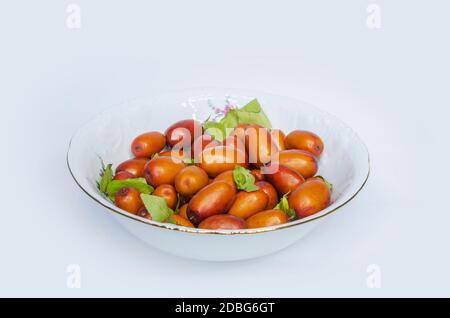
390 85
344 162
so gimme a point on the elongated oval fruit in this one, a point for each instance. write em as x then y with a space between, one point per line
267 218
168 193
248 203
234 141
129 199
309 198
305 140
285 179
227 177
162 170
259 145
278 137
239 131
213 199
223 222
190 180
301 161
216 160
123 175
271 193
184 131
179 154
178 220
146 145
203 142
133 166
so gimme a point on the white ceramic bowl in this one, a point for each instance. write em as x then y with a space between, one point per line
345 163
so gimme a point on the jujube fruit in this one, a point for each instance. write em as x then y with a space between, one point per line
310 198
147 144
305 140
285 179
267 218
301 161
223 222
162 170
248 203
190 180
183 131
271 193
213 199
133 166
168 193
129 199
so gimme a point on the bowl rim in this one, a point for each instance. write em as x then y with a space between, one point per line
179 228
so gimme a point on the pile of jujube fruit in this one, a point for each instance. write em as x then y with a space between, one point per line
255 177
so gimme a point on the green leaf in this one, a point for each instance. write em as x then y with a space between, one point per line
231 120
107 177
283 205
244 179
138 183
253 114
157 207
215 129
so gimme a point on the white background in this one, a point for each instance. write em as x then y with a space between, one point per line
390 84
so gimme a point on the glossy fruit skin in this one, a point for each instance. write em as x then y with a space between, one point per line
305 140
301 161
239 131
123 175
143 213
259 145
235 142
216 160
167 192
258 175
223 222
147 144
227 177
190 180
183 211
278 137
311 197
248 203
162 170
176 154
213 199
134 166
271 193
267 218
285 179
185 130
129 199
179 220
201 143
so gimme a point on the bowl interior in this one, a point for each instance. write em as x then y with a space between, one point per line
344 162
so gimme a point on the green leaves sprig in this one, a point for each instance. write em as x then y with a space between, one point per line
283 205
138 183
106 178
252 113
107 185
157 207
244 179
